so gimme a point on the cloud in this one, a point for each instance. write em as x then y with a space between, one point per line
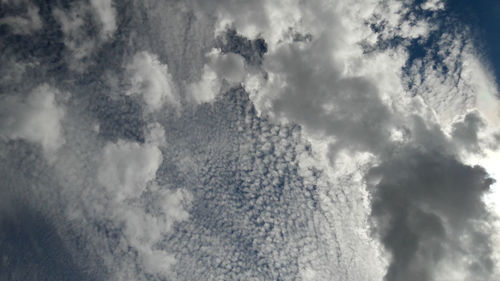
151 79
252 213
127 167
466 132
251 50
433 5
230 66
35 118
26 23
308 89
79 25
128 172
428 211
294 105
106 14
220 73
445 82
76 36
144 230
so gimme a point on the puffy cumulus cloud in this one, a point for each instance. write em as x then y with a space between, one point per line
307 89
206 89
145 229
117 205
127 167
151 79
35 118
222 71
25 23
128 173
319 82
228 66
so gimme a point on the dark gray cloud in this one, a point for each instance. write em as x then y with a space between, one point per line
251 50
428 211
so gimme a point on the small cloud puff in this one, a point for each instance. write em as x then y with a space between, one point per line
106 14
35 118
127 167
229 69
151 79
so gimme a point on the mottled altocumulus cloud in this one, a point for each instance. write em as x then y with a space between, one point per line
236 140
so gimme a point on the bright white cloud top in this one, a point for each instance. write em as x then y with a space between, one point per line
237 140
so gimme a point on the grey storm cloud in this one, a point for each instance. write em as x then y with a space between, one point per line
428 211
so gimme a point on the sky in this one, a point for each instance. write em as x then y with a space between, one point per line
249 140
482 16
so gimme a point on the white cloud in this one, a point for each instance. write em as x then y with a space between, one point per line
221 69
151 79
106 14
127 167
127 171
230 66
270 19
206 89
35 118
433 5
144 230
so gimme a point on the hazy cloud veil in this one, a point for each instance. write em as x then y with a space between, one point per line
246 140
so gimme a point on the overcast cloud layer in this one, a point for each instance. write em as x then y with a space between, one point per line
246 140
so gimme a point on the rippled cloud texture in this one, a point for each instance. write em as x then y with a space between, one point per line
246 140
